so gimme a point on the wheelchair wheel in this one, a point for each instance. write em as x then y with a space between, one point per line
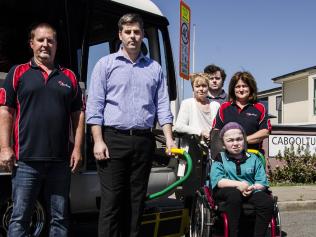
278 222
277 218
200 225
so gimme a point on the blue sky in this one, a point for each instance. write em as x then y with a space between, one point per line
269 38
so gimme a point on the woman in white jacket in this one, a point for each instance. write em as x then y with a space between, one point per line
196 114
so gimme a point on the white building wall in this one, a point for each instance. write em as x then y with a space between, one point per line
295 101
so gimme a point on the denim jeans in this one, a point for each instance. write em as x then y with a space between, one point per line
28 179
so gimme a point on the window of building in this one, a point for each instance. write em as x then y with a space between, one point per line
314 99
278 104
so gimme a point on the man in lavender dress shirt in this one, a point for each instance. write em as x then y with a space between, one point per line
128 92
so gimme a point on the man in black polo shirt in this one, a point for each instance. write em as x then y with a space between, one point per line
43 98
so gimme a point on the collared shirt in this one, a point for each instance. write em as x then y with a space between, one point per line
251 170
43 106
221 98
252 118
128 95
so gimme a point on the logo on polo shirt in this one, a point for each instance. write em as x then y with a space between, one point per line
250 170
64 84
251 114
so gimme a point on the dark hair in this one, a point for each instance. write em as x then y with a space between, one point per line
212 68
41 25
247 78
130 18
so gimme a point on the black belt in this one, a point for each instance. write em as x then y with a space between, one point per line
130 132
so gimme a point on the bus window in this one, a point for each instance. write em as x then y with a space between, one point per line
162 54
95 53
145 47
99 50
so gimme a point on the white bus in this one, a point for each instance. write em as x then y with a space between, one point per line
87 30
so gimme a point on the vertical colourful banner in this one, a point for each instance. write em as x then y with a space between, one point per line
184 57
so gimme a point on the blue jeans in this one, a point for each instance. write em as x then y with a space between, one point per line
28 179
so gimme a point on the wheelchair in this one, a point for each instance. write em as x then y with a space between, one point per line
208 219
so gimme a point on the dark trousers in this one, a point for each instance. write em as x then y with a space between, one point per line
233 198
124 179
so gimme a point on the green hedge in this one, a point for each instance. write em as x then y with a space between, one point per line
298 167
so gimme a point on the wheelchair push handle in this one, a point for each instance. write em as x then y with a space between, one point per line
177 151
187 157
260 155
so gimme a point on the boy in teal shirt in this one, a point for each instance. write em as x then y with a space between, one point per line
237 177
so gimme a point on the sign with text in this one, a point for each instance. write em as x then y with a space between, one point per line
184 57
278 143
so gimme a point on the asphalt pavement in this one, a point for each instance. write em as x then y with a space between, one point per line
291 198
293 201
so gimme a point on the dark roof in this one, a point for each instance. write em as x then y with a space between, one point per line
303 127
270 90
294 73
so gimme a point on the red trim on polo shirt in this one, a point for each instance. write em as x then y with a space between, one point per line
18 72
3 96
222 108
71 75
269 125
214 123
45 74
262 110
16 130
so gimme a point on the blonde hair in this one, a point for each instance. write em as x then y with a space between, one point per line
197 77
